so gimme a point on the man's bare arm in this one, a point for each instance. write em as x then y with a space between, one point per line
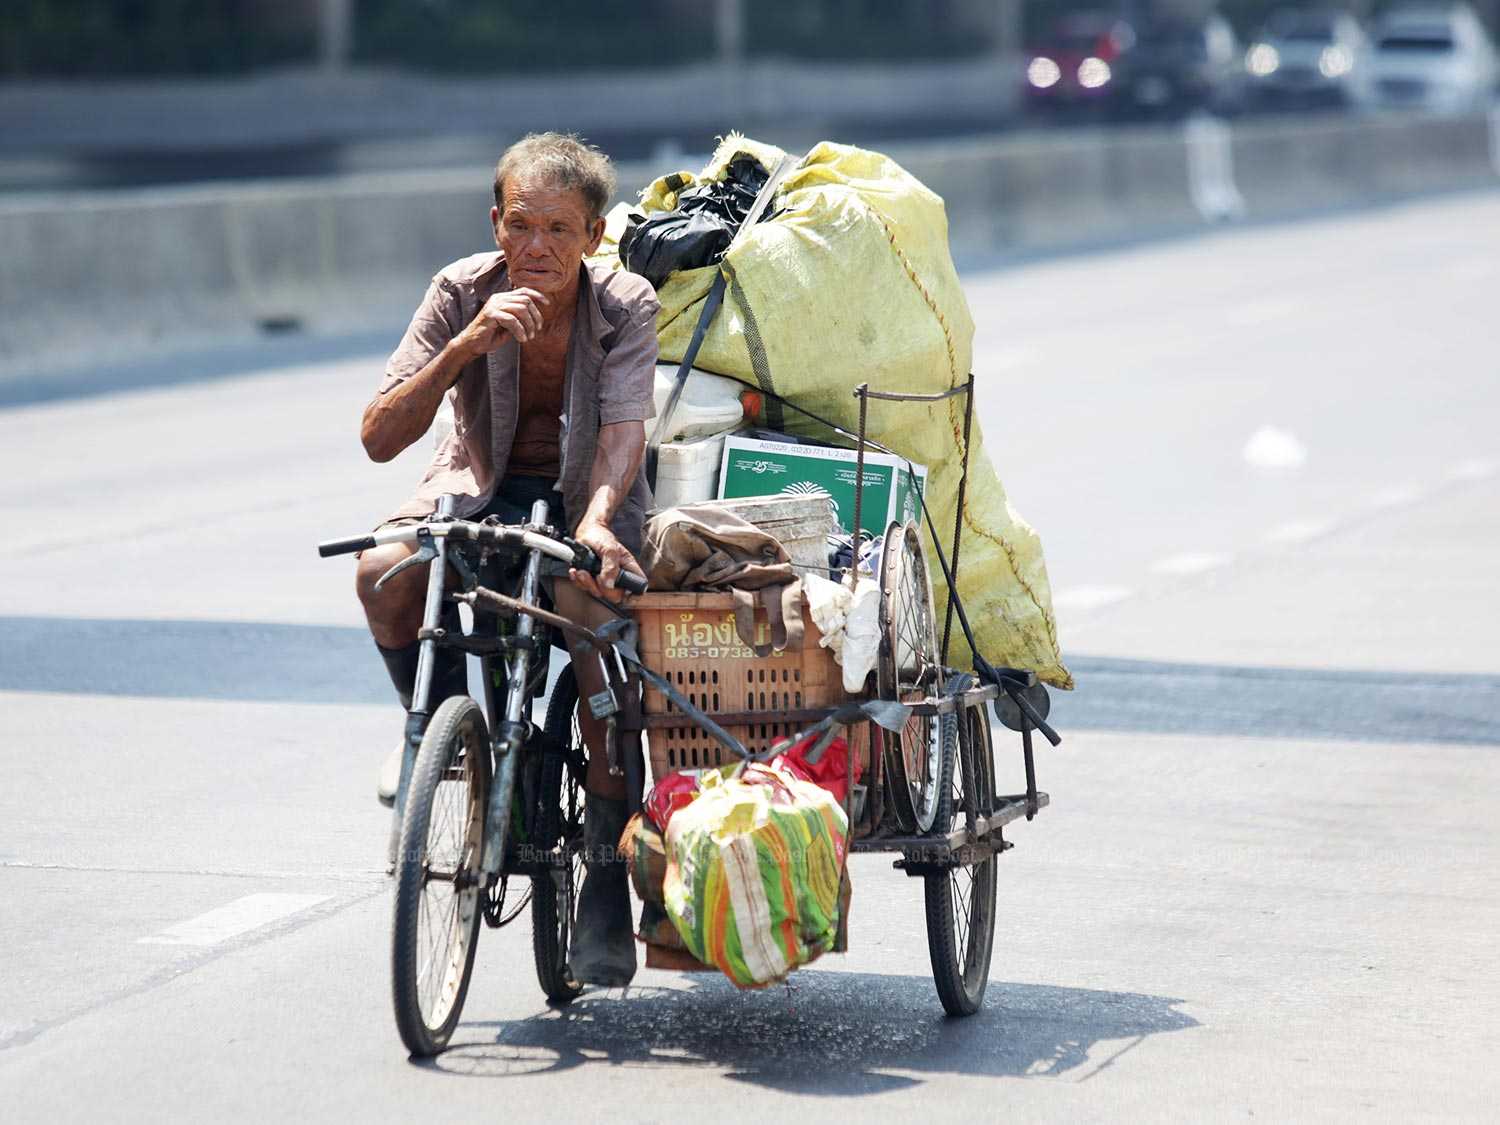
617 462
401 415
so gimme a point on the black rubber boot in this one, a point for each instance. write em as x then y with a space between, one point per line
603 950
450 677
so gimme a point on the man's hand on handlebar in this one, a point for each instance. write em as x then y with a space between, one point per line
613 558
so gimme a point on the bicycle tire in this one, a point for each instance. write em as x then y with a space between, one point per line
455 749
908 668
960 902
560 800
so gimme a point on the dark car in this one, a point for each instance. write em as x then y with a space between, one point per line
1181 66
1074 65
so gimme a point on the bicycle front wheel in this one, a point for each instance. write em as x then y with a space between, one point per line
438 880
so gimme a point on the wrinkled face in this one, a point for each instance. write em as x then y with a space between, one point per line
545 233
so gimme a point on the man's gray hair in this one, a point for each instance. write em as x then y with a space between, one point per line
561 159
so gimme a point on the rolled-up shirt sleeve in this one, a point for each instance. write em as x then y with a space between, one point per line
432 326
627 378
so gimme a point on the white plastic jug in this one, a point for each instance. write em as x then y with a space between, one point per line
688 471
710 404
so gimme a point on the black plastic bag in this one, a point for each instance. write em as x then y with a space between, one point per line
700 229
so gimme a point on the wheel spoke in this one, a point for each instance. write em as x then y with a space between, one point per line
442 958
445 908
961 914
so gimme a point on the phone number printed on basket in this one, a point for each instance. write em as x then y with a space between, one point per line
717 640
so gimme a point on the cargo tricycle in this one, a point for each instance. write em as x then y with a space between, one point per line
489 810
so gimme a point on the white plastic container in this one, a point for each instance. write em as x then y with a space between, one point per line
687 472
710 404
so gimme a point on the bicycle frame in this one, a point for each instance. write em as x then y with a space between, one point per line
508 720
509 735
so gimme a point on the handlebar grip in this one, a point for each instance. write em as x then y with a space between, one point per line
345 546
630 581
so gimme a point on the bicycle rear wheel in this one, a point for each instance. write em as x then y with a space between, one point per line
438 879
908 669
554 896
961 899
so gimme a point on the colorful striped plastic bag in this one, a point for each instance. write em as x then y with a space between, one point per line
753 867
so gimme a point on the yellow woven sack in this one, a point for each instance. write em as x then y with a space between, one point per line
851 281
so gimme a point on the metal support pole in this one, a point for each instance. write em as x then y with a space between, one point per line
862 392
1031 805
729 30
958 521
335 33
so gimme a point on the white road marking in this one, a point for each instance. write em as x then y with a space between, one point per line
1476 468
235 918
1190 563
1272 448
1298 531
1396 496
1089 597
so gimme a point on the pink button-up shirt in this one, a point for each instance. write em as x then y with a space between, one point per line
610 377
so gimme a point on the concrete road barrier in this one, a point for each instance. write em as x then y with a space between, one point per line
1293 167
142 271
85 276
1042 192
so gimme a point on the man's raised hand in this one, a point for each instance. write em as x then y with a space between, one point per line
516 313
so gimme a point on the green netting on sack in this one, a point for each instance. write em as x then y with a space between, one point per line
850 281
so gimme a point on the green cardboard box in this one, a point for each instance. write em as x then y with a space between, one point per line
752 467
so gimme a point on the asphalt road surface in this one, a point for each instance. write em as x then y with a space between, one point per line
1266 467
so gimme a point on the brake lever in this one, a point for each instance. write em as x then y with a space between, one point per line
424 555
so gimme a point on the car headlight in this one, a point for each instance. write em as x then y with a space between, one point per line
1262 60
1043 72
1335 62
1093 73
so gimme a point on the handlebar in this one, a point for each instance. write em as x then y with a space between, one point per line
330 547
565 550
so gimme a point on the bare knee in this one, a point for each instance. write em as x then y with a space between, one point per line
395 610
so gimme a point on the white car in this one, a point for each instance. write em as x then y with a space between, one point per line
1438 59
1309 57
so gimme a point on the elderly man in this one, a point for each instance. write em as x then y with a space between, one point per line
549 364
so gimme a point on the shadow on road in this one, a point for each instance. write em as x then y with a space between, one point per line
1322 703
829 1033
231 660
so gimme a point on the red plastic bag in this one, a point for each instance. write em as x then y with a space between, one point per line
831 770
670 794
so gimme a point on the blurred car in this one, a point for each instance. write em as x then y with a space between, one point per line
1184 65
1308 57
1072 67
1438 59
